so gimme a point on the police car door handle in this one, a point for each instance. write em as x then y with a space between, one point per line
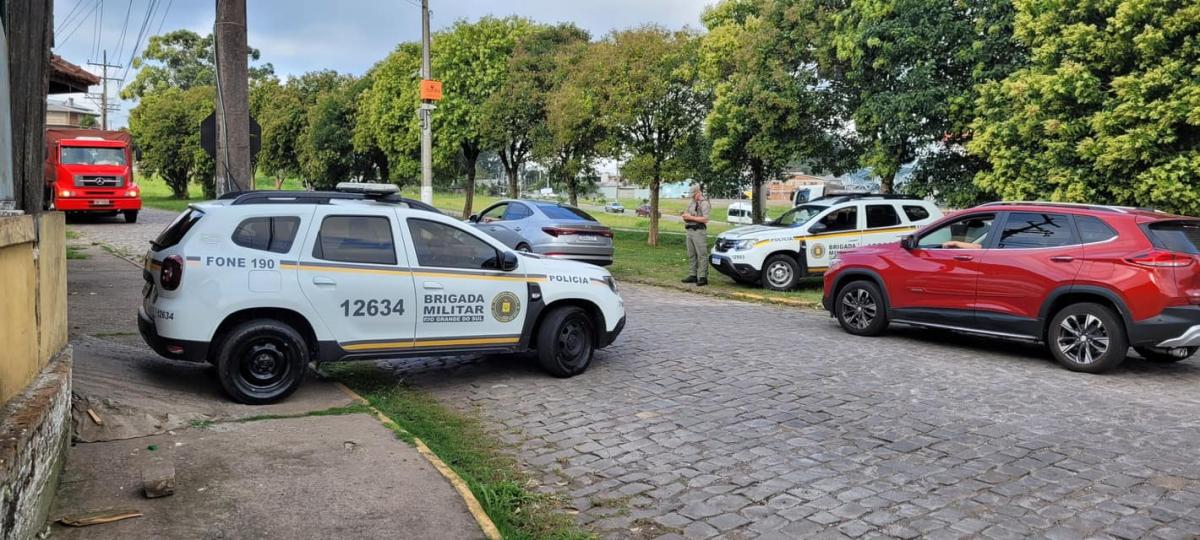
433 285
324 281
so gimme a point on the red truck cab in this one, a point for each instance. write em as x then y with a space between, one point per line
90 170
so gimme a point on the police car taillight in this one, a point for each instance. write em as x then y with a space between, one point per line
172 273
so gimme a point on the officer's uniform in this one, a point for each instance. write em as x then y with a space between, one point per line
697 238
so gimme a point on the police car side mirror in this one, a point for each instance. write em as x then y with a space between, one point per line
908 242
474 218
509 261
817 227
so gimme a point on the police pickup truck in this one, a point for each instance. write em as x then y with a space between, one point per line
801 242
261 283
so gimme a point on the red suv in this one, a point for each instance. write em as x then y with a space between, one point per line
1089 281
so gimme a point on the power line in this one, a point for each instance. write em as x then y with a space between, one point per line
98 32
81 20
137 45
67 20
164 19
124 30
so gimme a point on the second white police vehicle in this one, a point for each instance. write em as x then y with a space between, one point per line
802 242
262 283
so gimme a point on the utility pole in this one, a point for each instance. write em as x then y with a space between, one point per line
233 99
103 97
426 112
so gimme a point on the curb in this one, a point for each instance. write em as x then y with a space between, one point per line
722 294
473 506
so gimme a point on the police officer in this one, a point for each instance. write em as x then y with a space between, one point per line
695 220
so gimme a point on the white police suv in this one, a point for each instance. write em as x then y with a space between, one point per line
261 283
803 241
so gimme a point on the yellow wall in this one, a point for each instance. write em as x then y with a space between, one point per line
52 285
18 306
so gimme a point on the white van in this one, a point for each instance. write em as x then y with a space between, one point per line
741 213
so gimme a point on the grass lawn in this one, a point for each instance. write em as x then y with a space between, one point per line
666 264
156 193
462 442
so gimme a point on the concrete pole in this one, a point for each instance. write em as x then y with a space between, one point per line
426 112
104 94
233 99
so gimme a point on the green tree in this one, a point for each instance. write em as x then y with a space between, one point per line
567 143
166 126
180 59
1108 110
897 64
645 84
516 113
283 118
387 120
327 144
768 103
472 61
945 169
88 122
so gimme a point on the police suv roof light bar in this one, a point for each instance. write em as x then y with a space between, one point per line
370 189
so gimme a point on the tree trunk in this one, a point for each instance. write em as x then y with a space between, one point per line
514 188
757 178
655 184
278 183
471 155
573 190
887 182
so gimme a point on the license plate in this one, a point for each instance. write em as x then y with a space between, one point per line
589 238
101 202
716 261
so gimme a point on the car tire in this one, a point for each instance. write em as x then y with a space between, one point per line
566 341
861 309
262 361
1087 337
1160 356
780 273
524 248
131 216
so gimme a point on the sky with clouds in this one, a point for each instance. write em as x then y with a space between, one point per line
305 35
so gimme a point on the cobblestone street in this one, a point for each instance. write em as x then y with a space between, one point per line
715 418
712 418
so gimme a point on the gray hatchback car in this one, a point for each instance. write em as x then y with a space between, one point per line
554 230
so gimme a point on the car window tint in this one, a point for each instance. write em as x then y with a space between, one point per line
565 213
495 213
1036 230
274 234
445 246
916 213
1181 236
845 219
356 239
968 230
882 215
177 229
518 211
1092 230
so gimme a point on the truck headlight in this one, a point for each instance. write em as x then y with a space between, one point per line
743 245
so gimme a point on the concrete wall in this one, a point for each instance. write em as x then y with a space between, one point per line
52 285
18 304
35 369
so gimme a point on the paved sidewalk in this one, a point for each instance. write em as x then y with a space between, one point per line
344 476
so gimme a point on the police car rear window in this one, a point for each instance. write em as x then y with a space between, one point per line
177 229
356 239
274 234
